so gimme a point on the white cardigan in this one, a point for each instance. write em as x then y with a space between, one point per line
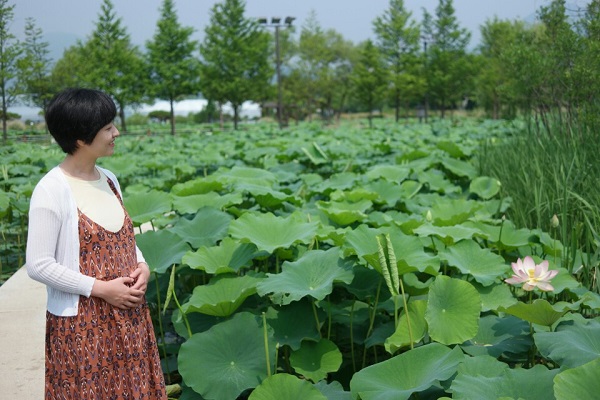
52 254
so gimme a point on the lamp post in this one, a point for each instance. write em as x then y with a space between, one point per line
277 23
426 105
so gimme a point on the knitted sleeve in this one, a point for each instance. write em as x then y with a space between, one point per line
46 220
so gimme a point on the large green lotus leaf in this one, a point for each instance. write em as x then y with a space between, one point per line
572 343
161 249
486 267
591 299
539 312
379 334
246 175
293 323
460 167
436 181
353 195
269 232
314 360
286 386
365 282
192 203
387 192
449 212
451 148
206 228
485 187
408 188
495 296
411 372
340 181
488 379
391 173
197 186
227 359
418 327
452 310
582 382
497 336
222 296
229 256
311 275
4 203
361 241
504 235
144 207
345 213
272 199
448 234
315 154
333 390
411 255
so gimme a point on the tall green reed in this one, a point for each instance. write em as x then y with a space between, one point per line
550 171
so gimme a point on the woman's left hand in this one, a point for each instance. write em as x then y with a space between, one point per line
141 275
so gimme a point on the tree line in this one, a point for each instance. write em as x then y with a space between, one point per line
532 69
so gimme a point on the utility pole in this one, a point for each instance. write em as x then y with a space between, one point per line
277 23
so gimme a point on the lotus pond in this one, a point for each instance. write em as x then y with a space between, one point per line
340 263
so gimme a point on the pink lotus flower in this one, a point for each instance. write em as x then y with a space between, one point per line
532 274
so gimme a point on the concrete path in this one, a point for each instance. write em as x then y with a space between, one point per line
22 331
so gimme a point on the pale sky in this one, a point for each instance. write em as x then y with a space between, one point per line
63 21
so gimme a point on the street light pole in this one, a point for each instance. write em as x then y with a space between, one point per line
276 23
278 70
426 80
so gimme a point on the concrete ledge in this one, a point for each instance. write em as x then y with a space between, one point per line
22 332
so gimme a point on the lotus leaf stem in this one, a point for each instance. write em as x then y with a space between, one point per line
266 338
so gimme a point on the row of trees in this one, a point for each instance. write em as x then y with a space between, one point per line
532 68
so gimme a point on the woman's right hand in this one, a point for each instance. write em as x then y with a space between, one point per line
118 292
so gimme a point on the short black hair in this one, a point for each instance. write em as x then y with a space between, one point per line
78 114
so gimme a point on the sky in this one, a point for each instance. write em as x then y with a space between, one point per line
64 21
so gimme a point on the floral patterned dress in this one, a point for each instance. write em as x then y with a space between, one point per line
103 353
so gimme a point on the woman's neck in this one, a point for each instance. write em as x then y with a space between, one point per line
80 168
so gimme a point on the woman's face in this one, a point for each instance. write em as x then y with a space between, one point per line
103 144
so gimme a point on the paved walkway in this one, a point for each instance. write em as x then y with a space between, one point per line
22 331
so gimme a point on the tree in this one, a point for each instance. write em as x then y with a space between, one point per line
398 40
235 66
494 80
370 79
172 59
112 63
10 51
34 67
448 68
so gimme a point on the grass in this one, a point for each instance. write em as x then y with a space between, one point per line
551 172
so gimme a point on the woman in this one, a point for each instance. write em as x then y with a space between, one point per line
100 342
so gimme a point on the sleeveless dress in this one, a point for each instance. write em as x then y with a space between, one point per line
103 353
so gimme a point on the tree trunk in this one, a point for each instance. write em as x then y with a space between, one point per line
397 104
172 117
122 117
236 110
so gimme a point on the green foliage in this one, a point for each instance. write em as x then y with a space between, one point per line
370 79
448 67
179 77
285 287
34 67
235 52
109 62
398 38
10 52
